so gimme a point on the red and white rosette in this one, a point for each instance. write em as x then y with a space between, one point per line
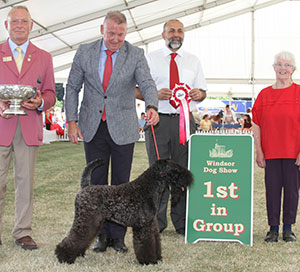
180 98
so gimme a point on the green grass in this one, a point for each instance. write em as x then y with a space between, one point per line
57 177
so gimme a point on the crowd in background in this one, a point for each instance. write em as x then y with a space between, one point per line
205 120
225 119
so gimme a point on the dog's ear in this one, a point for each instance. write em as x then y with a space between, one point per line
172 172
181 176
159 167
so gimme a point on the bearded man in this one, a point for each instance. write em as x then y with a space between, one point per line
168 66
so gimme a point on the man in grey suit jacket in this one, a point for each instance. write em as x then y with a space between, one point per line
107 120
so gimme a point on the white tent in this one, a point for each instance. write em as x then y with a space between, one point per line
235 39
211 104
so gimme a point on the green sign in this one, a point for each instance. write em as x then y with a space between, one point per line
220 201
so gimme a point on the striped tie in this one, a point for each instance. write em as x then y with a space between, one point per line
19 59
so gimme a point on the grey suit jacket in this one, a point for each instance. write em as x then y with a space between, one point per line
130 69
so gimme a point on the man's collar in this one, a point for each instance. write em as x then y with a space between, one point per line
13 45
103 47
167 51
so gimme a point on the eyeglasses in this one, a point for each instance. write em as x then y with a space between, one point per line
285 65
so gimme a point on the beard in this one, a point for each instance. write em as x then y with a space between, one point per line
174 42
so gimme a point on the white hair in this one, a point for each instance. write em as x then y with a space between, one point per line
285 55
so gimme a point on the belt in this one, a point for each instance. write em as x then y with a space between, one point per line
169 114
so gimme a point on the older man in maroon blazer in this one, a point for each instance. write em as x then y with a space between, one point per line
23 63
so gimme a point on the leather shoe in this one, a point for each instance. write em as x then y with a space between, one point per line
289 236
119 245
272 236
26 243
102 243
181 231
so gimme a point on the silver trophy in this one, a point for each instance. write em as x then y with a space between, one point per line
16 94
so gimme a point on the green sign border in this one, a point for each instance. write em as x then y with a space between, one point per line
202 146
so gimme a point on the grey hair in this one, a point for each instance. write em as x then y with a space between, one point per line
116 16
285 55
19 7
165 24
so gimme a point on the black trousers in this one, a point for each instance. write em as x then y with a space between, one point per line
167 138
282 175
48 125
102 146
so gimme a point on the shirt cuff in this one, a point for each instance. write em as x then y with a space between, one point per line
40 108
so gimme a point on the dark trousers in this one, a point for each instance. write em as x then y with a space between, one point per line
48 126
282 174
102 146
167 138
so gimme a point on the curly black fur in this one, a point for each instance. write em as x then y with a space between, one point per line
133 204
87 172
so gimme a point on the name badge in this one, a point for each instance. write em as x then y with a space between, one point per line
6 59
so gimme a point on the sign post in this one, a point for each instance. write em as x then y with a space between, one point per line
220 201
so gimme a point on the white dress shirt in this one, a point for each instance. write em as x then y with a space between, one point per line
13 47
190 73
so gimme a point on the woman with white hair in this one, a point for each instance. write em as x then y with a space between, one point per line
276 127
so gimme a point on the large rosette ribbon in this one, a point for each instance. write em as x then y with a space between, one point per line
180 98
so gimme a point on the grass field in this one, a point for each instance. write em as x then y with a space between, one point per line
57 178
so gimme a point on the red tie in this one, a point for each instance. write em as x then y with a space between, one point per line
174 76
106 75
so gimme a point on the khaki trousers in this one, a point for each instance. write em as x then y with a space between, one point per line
24 164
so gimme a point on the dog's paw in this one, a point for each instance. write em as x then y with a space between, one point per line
149 262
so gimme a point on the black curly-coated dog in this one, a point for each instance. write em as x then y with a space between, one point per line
133 204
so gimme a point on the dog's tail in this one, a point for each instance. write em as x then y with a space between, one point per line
87 172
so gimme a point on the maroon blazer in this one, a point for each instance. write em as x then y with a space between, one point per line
37 71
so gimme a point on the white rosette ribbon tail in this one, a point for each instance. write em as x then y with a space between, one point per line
180 98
